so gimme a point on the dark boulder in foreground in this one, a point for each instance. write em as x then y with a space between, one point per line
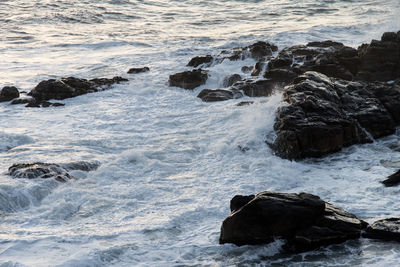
188 79
70 87
42 170
386 229
138 70
392 180
324 114
8 93
305 221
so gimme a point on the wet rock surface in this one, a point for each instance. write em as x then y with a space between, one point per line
42 170
324 114
188 79
70 87
138 70
8 93
386 229
305 221
208 95
392 180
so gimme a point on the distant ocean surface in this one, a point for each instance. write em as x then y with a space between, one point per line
170 163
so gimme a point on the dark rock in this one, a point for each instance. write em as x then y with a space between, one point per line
392 180
8 93
261 49
386 229
23 101
303 220
57 104
138 70
188 79
258 50
256 88
244 103
70 87
231 79
45 104
49 170
197 61
208 95
379 60
258 68
281 75
324 115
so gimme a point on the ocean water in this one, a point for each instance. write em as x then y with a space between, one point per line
170 163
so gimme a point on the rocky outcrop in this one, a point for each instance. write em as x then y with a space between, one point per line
138 70
8 93
42 170
188 79
231 79
392 180
305 221
200 60
323 115
70 87
386 229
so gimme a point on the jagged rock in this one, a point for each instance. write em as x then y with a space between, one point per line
258 68
208 95
281 75
231 79
8 93
392 180
138 70
305 221
380 60
246 69
197 61
257 88
258 50
386 229
49 170
324 115
188 79
70 87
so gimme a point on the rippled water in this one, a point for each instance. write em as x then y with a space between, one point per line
170 163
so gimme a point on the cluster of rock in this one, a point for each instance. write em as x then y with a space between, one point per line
58 89
303 220
42 170
335 95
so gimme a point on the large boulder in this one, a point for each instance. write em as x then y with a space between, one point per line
70 87
200 60
380 60
188 79
8 93
323 115
42 170
303 220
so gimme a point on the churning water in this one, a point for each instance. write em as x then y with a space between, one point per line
169 163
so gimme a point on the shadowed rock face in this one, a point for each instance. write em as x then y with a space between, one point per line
8 93
42 170
386 229
303 220
323 115
188 79
70 87
392 180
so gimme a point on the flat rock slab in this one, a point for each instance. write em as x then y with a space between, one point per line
386 229
305 221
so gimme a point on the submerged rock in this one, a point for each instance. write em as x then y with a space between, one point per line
8 93
138 70
42 170
386 229
188 79
305 221
392 180
70 87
